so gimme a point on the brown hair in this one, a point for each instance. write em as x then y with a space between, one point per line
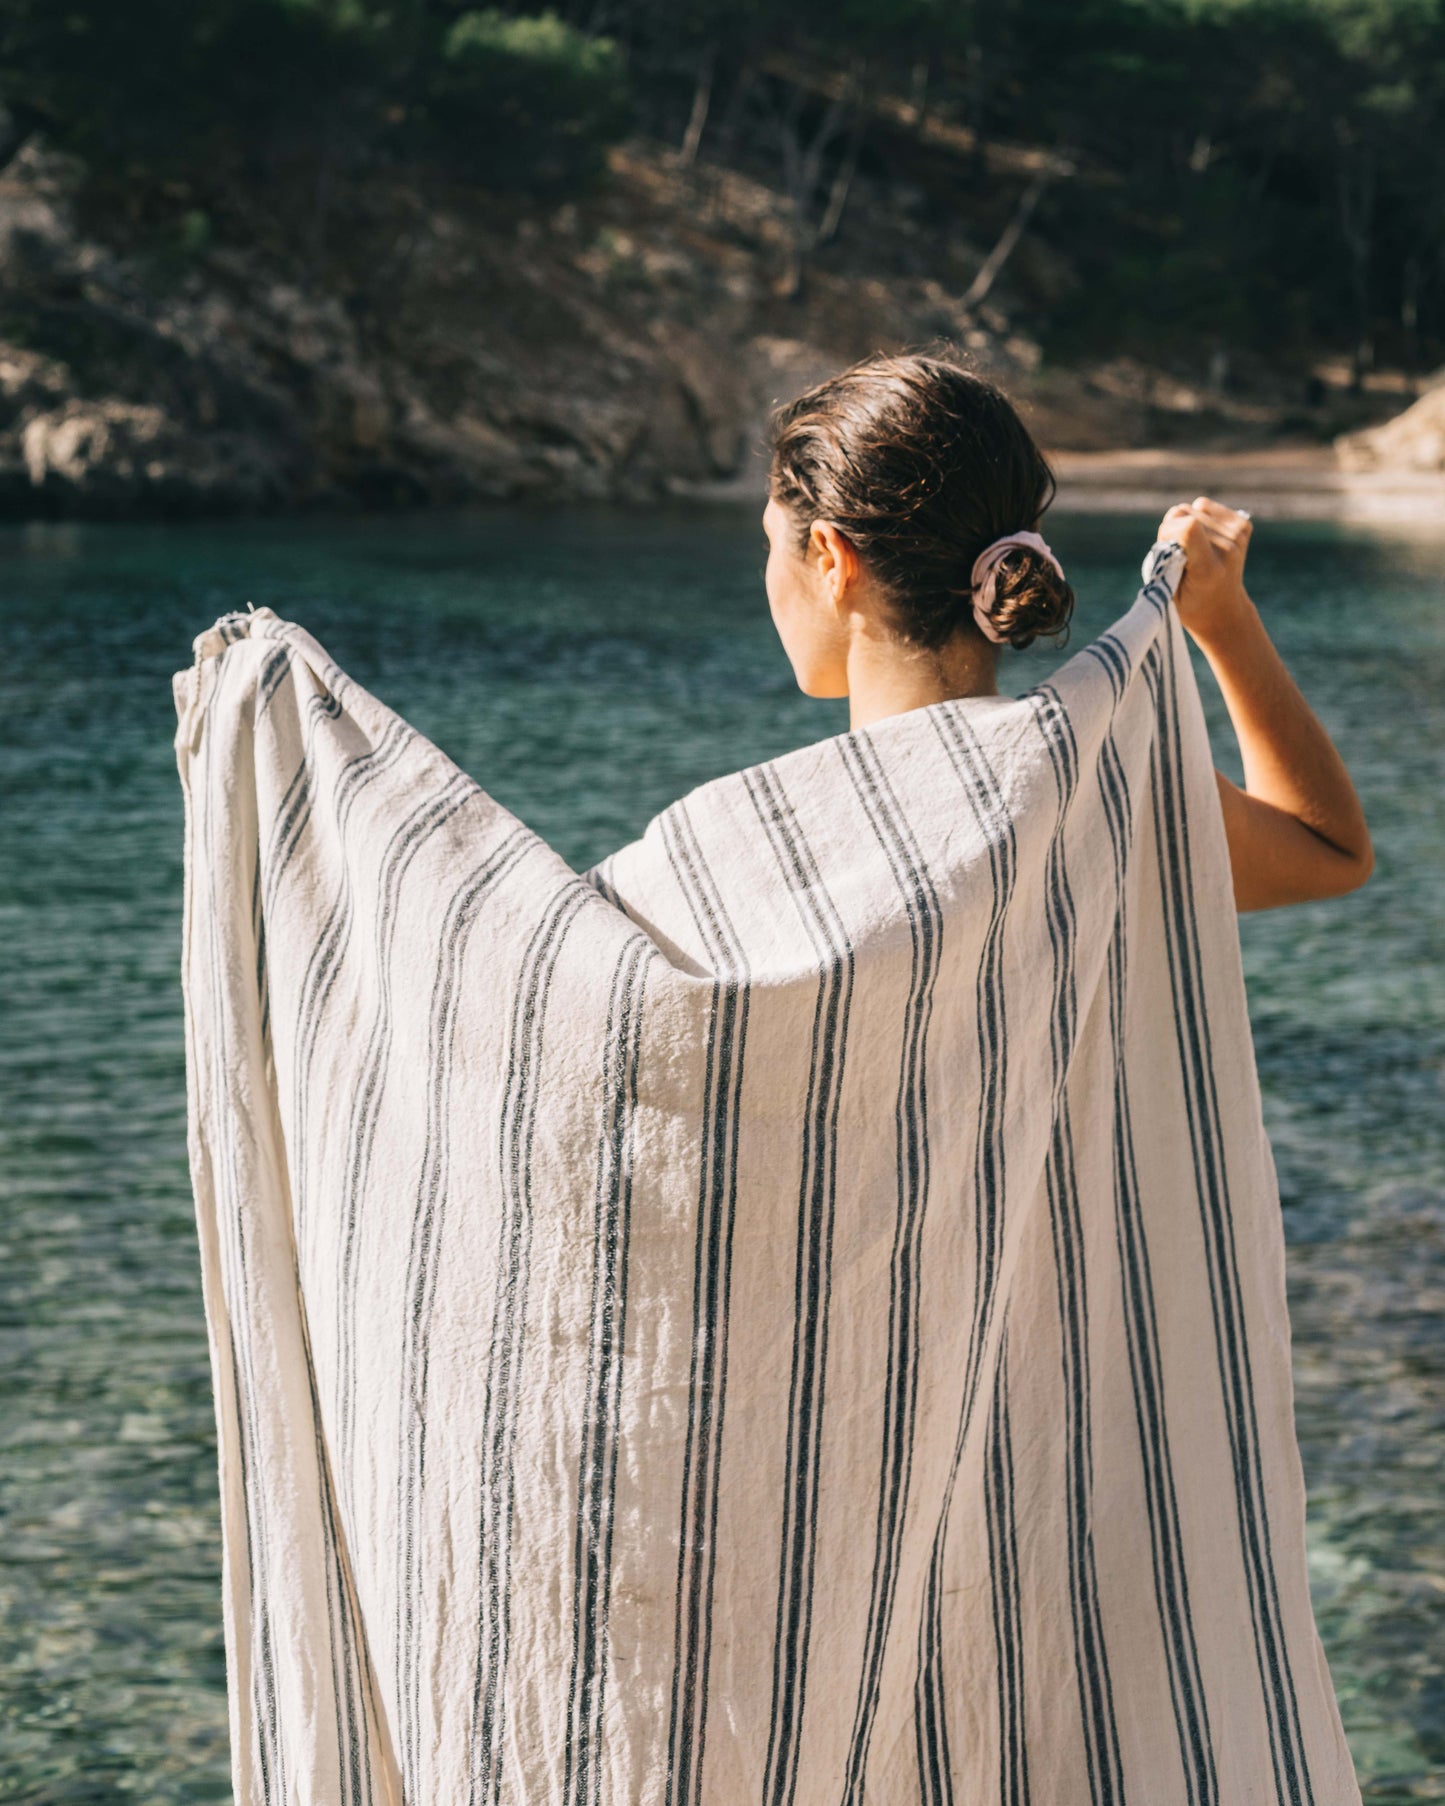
922 464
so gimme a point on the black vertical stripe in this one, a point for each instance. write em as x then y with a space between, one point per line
350 1668
263 976
273 670
275 666
1145 1361
1002 1526
597 1460
426 819
711 1304
348 1662
599 877
428 1224
1292 1778
1071 1278
900 1392
294 811
329 948
508 1331
812 1279
345 1638
991 813
334 684
295 808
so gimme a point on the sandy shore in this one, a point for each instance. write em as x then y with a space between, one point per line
1290 483
1283 483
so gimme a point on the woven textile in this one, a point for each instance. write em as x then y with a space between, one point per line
793 1316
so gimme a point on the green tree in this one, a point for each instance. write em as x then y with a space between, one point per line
524 101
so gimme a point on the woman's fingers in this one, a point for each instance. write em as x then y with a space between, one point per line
1178 522
1208 530
1235 521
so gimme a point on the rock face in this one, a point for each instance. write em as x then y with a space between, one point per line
440 349
1412 441
114 457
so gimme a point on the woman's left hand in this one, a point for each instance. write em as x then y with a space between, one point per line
1211 596
1296 830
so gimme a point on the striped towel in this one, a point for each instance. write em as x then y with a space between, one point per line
792 1316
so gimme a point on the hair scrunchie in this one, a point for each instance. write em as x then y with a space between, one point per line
985 573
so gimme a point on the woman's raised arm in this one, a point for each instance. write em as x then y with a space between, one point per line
1296 831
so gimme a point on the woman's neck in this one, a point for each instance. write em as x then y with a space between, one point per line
888 677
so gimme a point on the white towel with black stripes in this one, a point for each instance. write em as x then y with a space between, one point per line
793 1316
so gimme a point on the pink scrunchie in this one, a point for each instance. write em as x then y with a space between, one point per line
985 571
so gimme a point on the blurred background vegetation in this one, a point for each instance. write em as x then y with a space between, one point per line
1240 195
1270 168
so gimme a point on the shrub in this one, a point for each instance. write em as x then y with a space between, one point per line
525 102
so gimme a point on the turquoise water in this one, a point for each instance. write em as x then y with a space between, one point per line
588 668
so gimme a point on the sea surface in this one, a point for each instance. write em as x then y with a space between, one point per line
588 667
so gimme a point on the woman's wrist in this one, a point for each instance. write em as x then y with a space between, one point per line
1224 626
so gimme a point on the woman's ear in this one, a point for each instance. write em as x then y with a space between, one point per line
835 560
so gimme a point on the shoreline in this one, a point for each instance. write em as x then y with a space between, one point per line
1289 482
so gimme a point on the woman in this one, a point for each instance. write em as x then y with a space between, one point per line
888 484
794 1315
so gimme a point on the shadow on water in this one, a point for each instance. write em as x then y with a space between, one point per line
589 667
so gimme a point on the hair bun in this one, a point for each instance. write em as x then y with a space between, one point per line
919 462
1030 598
